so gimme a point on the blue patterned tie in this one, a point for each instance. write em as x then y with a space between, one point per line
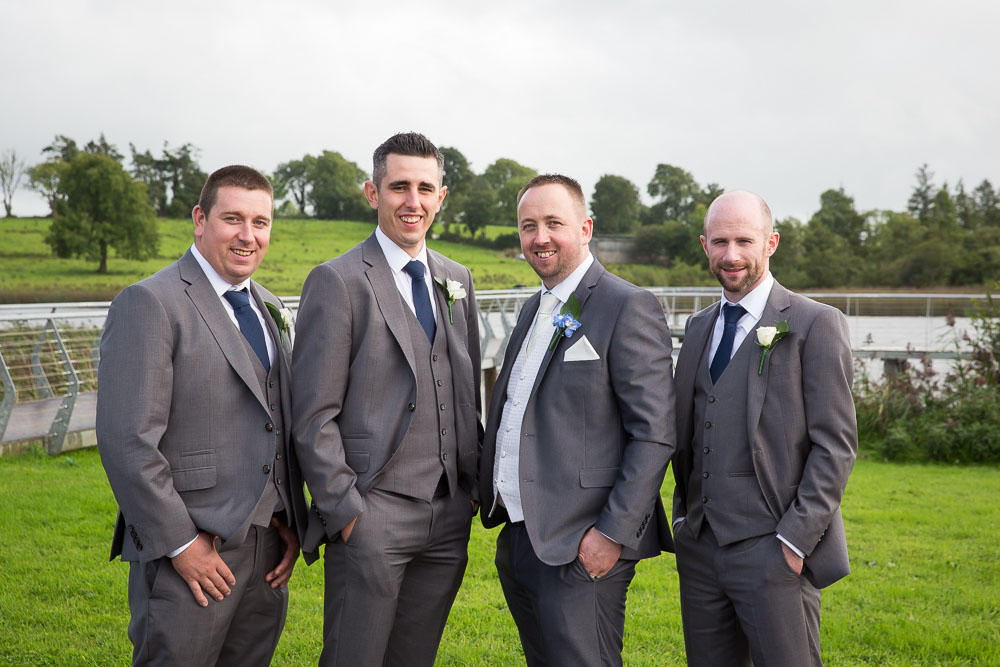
249 324
421 301
732 315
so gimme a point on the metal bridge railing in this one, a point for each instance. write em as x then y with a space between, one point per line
49 353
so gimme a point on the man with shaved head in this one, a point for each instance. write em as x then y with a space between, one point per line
766 439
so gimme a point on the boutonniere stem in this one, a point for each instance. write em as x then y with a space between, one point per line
282 319
453 290
566 320
768 337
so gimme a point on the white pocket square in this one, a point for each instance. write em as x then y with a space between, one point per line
581 350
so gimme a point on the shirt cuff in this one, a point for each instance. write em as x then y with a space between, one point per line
177 552
792 547
610 538
677 522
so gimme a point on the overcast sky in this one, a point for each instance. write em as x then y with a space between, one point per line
787 99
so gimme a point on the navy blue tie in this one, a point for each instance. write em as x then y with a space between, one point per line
421 301
732 315
249 324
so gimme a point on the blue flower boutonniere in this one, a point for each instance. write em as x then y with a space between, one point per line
767 337
566 322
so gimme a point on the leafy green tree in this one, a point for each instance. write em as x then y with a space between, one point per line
336 188
790 264
615 205
44 177
100 207
295 178
675 192
173 181
480 206
460 180
837 215
506 177
922 197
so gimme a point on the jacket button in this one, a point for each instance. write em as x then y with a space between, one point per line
444 431
442 407
412 407
704 499
706 450
444 457
269 427
705 475
277 481
272 407
440 382
711 399
266 469
138 546
708 424
434 357
639 534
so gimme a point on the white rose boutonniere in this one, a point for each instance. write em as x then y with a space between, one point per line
768 337
282 318
453 291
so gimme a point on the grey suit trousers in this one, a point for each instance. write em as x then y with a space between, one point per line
742 600
390 587
169 628
565 618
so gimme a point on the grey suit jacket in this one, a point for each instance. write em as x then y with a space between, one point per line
183 427
596 435
355 379
801 424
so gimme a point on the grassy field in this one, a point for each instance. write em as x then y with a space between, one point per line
925 588
30 273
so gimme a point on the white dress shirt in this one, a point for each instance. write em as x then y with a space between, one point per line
397 258
506 482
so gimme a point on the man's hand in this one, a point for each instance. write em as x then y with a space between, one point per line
597 553
345 532
204 570
793 559
280 575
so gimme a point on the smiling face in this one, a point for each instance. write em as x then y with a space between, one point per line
234 235
555 232
739 241
407 198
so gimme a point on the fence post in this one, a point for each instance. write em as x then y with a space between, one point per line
60 425
9 396
42 385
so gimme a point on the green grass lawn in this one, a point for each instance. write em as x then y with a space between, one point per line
30 273
925 589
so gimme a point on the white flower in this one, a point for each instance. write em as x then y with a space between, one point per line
454 289
765 335
286 315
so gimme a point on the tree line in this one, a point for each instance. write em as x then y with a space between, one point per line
945 236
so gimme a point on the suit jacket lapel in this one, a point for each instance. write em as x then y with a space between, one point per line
437 270
387 296
277 337
774 312
583 290
226 334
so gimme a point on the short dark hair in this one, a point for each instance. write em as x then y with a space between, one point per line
405 143
234 176
556 179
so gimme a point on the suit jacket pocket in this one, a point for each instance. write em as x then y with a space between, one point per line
597 477
192 479
358 461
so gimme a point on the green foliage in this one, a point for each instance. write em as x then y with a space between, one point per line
925 587
459 178
506 177
173 181
480 206
336 192
615 205
101 207
914 416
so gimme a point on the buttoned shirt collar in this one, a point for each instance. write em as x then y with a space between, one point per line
396 256
756 300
